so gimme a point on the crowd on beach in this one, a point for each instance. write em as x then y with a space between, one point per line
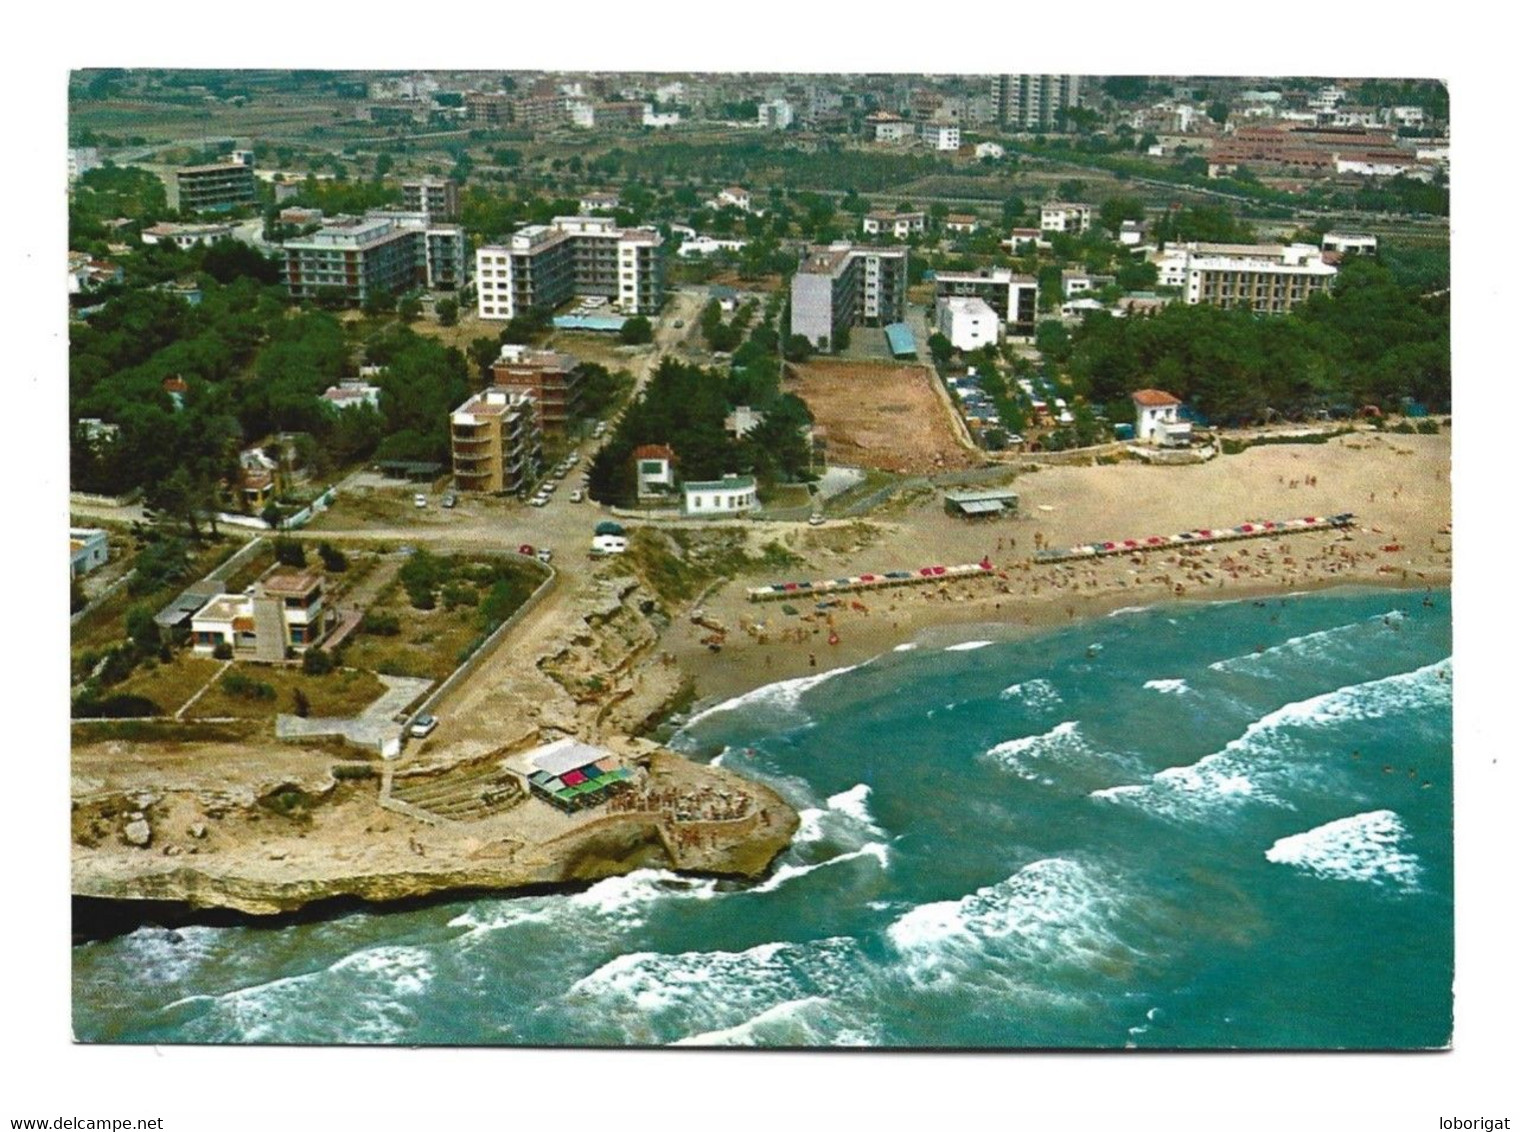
703 803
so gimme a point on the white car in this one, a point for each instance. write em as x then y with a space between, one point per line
545 555
539 501
815 519
577 496
419 500
423 726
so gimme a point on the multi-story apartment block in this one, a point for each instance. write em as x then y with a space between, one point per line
1034 102
1063 216
543 265
898 224
211 188
439 198
284 611
1265 278
842 285
496 443
941 137
551 380
1011 296
968 322
384 251
488 109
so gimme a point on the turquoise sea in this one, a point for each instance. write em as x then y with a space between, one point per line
1210 826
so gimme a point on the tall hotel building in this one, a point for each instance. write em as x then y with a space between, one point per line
393 252
1032 102
842 285
543 265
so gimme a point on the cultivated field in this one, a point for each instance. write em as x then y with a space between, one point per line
880 415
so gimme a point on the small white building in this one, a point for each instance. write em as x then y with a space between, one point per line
186 235
88 550
1064 216
970 323
732 495
707 245
599 202
990 150
1131 234
888 128
777 114
655 467
1156 419
899 224
352 394
734 197
1349 243
961 222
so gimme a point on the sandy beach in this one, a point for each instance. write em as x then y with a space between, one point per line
1397 486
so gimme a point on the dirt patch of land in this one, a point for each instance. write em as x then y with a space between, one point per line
880 415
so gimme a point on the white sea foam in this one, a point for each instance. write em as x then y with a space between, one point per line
1127 609
784 694
1366 847
606 910
798 1022
1320 645
1037 694
967 646
855 802
1033 931
907 646
1265 761
876 850
1168 687
359 995
657 998
1062 742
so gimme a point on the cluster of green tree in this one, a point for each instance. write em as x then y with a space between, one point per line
684 406
1428 94
422 382
495 587
332 195
831 166
143 644
725 337
1210 223
1372 341
108 193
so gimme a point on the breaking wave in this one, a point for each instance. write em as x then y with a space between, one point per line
1366 847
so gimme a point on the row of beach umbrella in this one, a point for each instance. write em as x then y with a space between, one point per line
857 582
1255 529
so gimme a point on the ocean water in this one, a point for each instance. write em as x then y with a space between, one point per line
1196 826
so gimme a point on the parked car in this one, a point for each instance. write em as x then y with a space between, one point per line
423 726
545 554
539 501
815 519
450 499
419 500
577 495
526 548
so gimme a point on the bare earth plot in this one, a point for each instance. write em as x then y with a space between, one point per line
880 415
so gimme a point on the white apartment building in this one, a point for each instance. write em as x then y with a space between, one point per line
940 137
1266 278
1064 216
708 245
969 323
543 265
1012 297
1349 243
